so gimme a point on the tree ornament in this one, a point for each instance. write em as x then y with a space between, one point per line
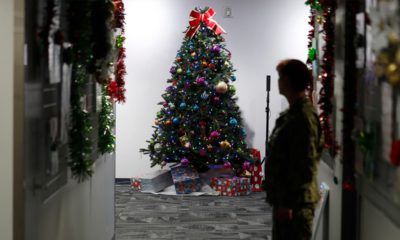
216 49
209 147
232 89
195 107
184 139
216 100
233 122
221 87
200 80
204 95
193 54
233 78
168 122
246 165
205 64
183 105
159 114
211 66
188 145
165 104
185 162
179 70
225 144
172 70
227 165
175 120
214 135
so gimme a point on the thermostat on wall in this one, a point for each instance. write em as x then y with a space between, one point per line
228 12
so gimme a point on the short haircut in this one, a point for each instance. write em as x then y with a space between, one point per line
297 73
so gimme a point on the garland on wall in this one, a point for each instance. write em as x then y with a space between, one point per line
80 143
93 56
323 11
103 52
116 88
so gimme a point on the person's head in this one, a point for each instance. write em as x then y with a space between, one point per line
294 77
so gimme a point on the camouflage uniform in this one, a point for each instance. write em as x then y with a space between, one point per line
294 151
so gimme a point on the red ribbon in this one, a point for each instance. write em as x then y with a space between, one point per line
196 18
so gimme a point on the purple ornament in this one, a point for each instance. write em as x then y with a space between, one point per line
227 165
200 80
246 165
214 135
184 161
216 49
203 152
169 88
172 70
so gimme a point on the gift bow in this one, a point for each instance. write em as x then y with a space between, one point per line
196 18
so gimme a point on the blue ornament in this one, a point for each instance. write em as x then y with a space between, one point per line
182 105
233 78
243 132
204 95
169 112
233 122
195 107
188 72
175 120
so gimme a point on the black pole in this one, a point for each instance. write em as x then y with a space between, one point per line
267 111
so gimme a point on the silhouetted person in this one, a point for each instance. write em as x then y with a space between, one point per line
294 151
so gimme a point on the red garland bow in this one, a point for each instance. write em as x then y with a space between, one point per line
196 18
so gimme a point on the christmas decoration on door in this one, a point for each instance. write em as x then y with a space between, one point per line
199 123
323 14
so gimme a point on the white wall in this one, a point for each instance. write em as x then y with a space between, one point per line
260 34
80 211
6 120
375 225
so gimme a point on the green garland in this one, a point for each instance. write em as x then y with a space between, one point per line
106 142
80 143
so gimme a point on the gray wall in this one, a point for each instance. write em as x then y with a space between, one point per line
81 211
375 225
6 120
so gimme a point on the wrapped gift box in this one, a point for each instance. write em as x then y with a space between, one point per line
136 184
186 179
235 186
156 181
256 172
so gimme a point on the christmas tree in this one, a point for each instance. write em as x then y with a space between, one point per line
200 124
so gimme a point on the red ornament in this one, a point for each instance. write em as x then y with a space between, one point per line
348 186
395 153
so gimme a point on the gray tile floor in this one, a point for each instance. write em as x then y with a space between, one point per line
148 216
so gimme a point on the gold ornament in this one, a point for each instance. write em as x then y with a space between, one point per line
221 87
225 144
184 139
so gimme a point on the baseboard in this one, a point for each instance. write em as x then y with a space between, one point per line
123 181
